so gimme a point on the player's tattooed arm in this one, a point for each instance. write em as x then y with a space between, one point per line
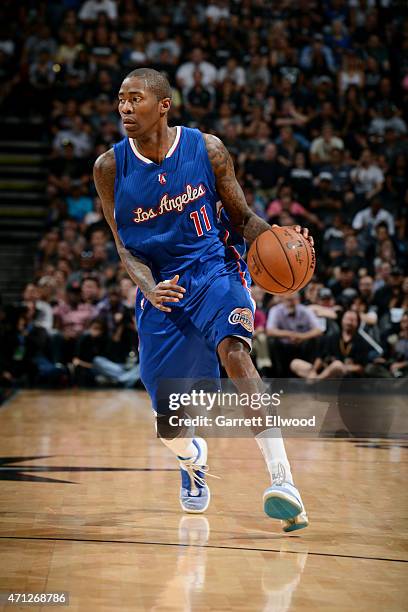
245 221
139 272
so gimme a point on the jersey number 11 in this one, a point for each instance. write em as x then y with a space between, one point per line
197 223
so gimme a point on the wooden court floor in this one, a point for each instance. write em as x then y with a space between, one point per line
89 505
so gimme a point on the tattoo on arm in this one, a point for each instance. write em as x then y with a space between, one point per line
104 177
244 220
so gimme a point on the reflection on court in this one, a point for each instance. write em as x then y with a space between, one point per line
99 516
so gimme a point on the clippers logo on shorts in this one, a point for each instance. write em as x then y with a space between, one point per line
242 316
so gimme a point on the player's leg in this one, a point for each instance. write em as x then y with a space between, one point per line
226 316
171 352
282 499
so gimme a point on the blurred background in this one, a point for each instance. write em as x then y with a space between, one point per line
310 97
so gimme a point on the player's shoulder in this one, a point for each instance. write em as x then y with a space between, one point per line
105 162
212 141
217 153
105 168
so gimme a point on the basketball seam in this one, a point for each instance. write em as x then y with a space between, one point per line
307 268
270 275
287 258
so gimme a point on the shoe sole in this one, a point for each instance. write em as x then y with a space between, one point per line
295 527
201 510
280 506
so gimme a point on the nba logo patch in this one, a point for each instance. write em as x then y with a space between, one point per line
162 178
242 316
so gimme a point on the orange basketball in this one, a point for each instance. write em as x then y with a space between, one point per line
281 261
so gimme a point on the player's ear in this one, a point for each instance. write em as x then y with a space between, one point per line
165 105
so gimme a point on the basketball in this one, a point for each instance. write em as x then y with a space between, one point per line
281 261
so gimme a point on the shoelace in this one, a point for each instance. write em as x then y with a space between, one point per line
192 468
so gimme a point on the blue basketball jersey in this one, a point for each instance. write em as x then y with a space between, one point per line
170 216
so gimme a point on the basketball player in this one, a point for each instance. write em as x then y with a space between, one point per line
179 219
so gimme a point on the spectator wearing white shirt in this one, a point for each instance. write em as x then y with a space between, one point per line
160 43
78 136
322 147
91 9
387 118
232 71
367 177
216 10
368 218
185 74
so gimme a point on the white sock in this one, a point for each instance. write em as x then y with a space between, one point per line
181 447
273 449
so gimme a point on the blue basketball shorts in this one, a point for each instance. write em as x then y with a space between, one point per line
183 344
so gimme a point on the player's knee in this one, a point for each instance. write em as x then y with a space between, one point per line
233 353
166 428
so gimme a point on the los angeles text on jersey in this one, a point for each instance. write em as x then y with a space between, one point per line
167 204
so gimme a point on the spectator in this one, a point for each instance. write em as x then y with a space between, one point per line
71 318
78 136
232 70
353 256
317 57
216 10
390 294
185 74
78 203
324 199
398 349
300 177
43 316
95 362
265 171
91 9
346 280
160 43
290 327
198 99
257 71
366 289
367 177
339 171
288 145
285 202
322 147
386 117
343 354
351 73
294 97
326 311
367 219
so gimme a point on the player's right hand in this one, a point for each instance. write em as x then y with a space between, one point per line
165 292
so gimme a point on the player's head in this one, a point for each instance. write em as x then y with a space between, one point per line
144 100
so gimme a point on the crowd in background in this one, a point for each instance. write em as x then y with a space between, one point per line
310 98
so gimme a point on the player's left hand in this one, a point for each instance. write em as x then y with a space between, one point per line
305 233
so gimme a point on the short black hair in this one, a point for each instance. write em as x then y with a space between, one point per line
155 81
